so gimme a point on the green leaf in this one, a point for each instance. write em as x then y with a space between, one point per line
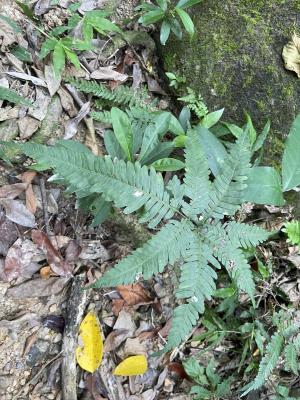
11 23
87 30
234 129
21 53
47 47
102 24
168 164
185 118
213 148
291 159
262 137
71 56
187 3
251 130
176 28
212 118
123 131
112 145
180 141
26 10
202 392
13 97
263 187
151 17
163 4
165 30
291 362
175 126
59 58
186 21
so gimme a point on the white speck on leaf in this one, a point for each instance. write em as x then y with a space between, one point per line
138 193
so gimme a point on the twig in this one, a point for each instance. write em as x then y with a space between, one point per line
38 374
45 205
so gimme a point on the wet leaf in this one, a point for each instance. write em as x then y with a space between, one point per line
135 365
55 260
89 353
291 55
134 294
18 213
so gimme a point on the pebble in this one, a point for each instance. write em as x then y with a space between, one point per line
57 338
53 308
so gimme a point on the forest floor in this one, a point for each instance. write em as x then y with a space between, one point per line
40 309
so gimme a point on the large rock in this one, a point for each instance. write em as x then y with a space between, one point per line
235 61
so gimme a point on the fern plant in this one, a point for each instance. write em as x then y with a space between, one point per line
284 344
292 230
13 97
193 234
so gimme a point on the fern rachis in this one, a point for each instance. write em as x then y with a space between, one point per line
192 240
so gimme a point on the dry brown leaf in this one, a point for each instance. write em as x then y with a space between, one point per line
115 339
117 306
134 294
291 55
12 191
125 321
27 126
20 75
71 126
40 108
67 102
18 213
31 202
108 74
58 265
37 288
73 251
134 346
8 234
19 260
53 81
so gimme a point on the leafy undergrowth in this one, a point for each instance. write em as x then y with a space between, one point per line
238 332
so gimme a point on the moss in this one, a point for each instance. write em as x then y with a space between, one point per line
235 61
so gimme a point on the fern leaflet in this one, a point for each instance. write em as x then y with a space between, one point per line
244 235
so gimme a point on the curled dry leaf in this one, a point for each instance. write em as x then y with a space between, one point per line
18 213
135 365
134 294
73 251
89 353
31 202
58 265
20 75
37 288
27 126
72 125
8 234
53 81
291 55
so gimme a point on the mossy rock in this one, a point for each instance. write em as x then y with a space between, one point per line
235 61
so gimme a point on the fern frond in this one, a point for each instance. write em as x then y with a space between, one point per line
101 116
184 319
292 229
13 97
128 185
166 247
121 95
244 235
197 185
290 355
267 364
226 193
231 257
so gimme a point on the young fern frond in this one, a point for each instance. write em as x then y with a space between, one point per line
166 247
227 188
121 95
290 355
13 97
267 364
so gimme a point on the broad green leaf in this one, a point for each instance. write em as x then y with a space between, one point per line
213 148
224 293
151 17
165 30
13 97
234 129
59 58
168 164
179 141
262 137
176 28
187 3
47 47
162 123
134 365
251 130
150 141
112 145
170 75
102 24
291 159
163 4
264 187
123 131
71 56
21 53
212 118
175 126
87 30
185 118
162 150
202 392
89 353
186 21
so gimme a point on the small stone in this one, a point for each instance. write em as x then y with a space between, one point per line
53 308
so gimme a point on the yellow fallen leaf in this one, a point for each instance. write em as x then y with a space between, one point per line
89 353
291 55
135 365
